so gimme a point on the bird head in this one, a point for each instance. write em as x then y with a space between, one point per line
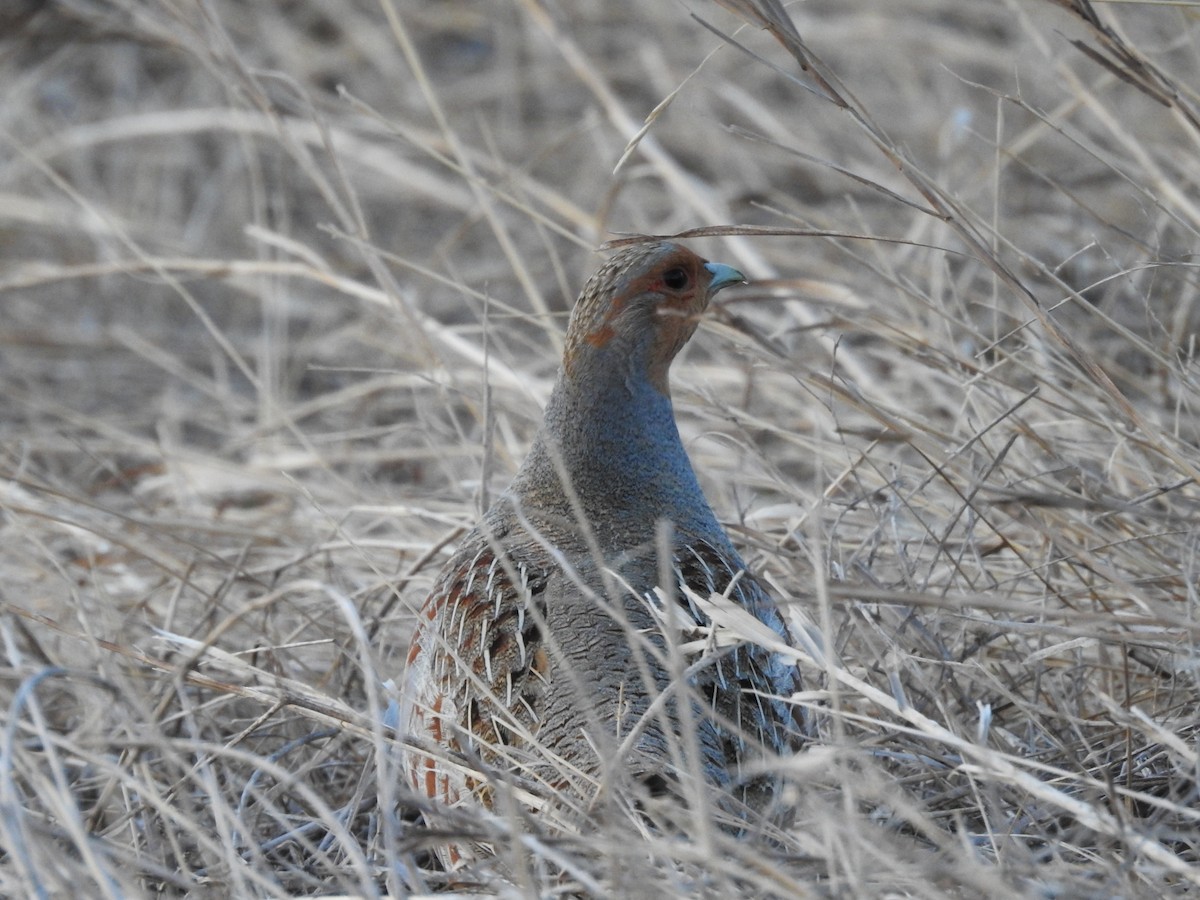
639 310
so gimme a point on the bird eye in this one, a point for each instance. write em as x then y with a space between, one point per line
676 278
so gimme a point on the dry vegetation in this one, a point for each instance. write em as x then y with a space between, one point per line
281 292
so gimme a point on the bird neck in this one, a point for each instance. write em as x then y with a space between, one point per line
610 431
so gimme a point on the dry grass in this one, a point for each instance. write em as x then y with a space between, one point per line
281 293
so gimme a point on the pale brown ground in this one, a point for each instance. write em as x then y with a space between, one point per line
279 305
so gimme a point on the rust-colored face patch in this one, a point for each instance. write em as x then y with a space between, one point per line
601 335
659 287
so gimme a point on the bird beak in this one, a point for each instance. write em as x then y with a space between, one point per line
723 276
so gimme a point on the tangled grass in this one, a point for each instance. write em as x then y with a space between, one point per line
282 292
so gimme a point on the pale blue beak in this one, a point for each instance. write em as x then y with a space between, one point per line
723 276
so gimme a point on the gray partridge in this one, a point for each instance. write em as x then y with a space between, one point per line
560 640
